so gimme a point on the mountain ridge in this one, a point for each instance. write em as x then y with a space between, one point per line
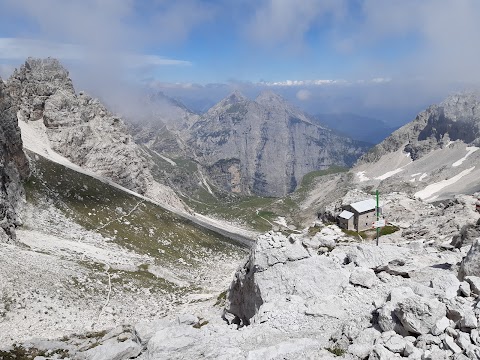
82 129
265 146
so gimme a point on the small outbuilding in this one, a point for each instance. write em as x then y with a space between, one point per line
358 216
345 220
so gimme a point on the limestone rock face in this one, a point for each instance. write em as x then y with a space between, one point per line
456 118
81 128
467 235
470 265
265 146
13 167
281 272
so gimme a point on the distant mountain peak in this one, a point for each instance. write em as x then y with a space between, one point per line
48 70
268 97
244 143
46 66
235 97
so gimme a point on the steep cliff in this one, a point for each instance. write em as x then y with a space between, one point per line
265 146
13 167
82 129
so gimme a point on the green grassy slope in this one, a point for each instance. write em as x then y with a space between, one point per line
135 224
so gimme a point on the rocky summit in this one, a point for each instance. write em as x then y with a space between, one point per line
13 167
455 118
265 146
81 128
432 157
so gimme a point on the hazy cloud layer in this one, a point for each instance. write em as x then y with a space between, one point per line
106 35
409 53
443 33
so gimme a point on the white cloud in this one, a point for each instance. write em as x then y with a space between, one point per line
443 34
323 82
19 49
286 22
16 49
303 95
302 82
109 36
438 37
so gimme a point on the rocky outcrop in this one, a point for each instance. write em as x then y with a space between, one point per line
81 128
13 167
470 265
265 146
468 234
419 312
456 118
302 301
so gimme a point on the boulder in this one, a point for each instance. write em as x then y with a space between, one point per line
396 344
387 319
450 344
279 271
411 350
470 265
440 326
445 285
469 320
363 344
464 288
435 353
379 352
363 277
326 238
468 234
463 340
474 335
474 282
113 350
418 315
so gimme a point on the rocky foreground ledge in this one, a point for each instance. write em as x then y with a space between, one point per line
314 296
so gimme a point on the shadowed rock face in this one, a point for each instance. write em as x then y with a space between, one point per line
265 146
456 118
13 167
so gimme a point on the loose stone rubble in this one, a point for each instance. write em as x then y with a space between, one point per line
294 298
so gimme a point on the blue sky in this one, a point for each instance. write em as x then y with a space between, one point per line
424 45
217 41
